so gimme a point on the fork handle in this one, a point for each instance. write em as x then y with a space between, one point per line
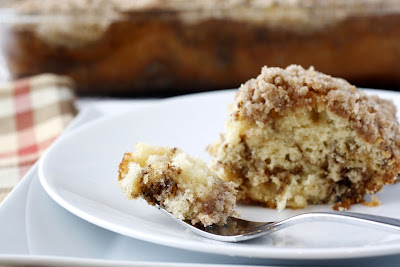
346 217
375 219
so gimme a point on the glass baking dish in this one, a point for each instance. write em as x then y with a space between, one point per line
153 46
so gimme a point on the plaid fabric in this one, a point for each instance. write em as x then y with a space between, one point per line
33 112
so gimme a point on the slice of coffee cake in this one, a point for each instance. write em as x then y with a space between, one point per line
181 184
296 137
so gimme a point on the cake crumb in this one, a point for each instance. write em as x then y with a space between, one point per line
182 185
375 202
343 205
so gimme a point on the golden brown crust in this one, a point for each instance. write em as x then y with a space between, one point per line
124 165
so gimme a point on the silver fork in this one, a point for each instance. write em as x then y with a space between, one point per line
240 230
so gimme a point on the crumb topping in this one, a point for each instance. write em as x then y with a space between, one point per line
276 91
76 23
277 13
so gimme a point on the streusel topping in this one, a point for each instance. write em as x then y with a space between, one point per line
277 91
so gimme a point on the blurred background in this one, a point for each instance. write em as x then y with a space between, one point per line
160 47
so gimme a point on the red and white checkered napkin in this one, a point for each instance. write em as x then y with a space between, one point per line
33 113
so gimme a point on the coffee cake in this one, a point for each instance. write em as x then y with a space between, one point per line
296 136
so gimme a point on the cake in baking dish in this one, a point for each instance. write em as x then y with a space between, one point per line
147 46
181 184
296 136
